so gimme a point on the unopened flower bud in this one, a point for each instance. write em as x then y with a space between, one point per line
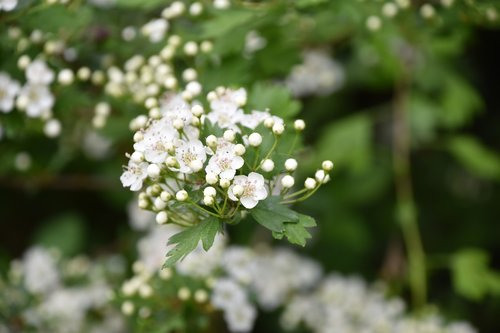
269 122
182 195
237 190
128 308
159 203
184 294
287 181
229 135
267 165
161 217
224 183
310 183
291 164
209 191
208 201
320 176
239 149
278 128
153 171
299 125
137 157
171 162
165 196
211 178
197 110
211 141
178 124
327 165
255 139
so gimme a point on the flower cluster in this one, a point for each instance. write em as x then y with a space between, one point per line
194 161
45 293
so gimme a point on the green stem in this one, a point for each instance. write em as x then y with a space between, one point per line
273 147
303 197
405 203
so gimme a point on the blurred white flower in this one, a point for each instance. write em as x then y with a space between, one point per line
8 91
37 100
40 271
38 73
8 5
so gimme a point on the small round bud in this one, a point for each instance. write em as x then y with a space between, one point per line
194 88
211 96
23 62
137 157
103 109
224 183
165 273
287 181
143 204
211 141
195 9
196 165
83 73
427 11
189 74
52 128
299 125
151 102
310 183
170 82
145 291
197 110
209 191
320 176
159 204
200 296
161 217
195 121
255 139
238 190
165 196
327 165
138 136
291 164
211 178
206 46
239 149
267 165
178 124
190 48
229 135
373 23
128 308
182 195
184 294
269 122
65 77
389 9
278 128
208 201
153 171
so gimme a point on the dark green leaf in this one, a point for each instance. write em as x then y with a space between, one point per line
274 97
297 232
272 215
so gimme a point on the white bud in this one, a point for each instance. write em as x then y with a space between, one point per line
190 48
196 165
65 76
52 128
155 113
171 162
229 135
195 121
128 308
137 157
447 3
143 204
200 296
103 109
175 40
267 165
23 62
151 102
98 121
287 181
291 164
389 9
211 96
238 190
145 291
255 139
184 294
182 195
178 124
373 23
194 87
138 136
320 176
189 74
299 125
159 204
269 122
195 9
161 217
211 141
211 178
186 95
153 171
239 149
278 128
427 11
208 201
403 3
224 183
209 191
310 183
197 110
165 196
327 165
165 273
83 73
206 46
170 82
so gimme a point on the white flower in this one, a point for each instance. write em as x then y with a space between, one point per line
8 91
240 317
36 99
157 141
7 5
39 73
190 155
134 175
155 30
227 293
224 164
253 189
40 271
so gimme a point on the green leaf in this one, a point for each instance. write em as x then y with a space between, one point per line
478 159
272 215
460 103
226 22
297 232
187 240
139 3
470 273
274 97
57 18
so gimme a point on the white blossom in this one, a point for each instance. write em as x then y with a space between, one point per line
8 91
134 175
190 154
8 5
40 271
36 99
39 73
254 189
